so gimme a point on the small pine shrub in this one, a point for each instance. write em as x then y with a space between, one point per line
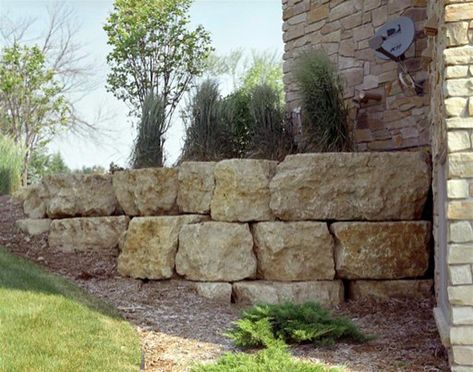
324 113
262 325
149 143
11 163
273 359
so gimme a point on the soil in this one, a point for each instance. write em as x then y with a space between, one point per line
178 328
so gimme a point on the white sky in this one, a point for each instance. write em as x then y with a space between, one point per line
249 24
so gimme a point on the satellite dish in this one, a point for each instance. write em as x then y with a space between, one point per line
393 39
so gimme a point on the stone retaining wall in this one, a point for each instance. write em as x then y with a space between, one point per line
254 230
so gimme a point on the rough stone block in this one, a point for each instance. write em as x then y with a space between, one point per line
242 190
221 292
385 289
89 233
460 210
460 274
460 232
460 165
461 295
33 226
462 315
196 187
34 201
327 293
458 254
461 335
294 251
216 252
457 189
150 245
77 195
351 186
463 355
147 192
381 250
458 140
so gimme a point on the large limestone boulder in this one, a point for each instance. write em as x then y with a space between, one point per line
35 199
216 252
33 227
150 245
242 190
89 233
385 289
196 187
326 293
146 192
220 292
79 195
294 251
351 186
381 250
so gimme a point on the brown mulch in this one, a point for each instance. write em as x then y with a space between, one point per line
178 328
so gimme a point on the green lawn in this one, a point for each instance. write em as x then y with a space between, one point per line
49 324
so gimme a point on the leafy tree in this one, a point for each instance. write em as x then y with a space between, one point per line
154 50
44 164
32 104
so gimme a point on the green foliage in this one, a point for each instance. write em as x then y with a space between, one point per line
148 147
207 135
270 137
273 359
50 324
325 115
308 323
265 69
32 105
154 50
43 164
11 161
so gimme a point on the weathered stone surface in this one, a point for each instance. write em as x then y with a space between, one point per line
381 250
216 252
294 251
461 295
242 190
89 233
385 289
327 293
147 192
150 245
351 186
221 292
34 201
77 195
196 187
33 226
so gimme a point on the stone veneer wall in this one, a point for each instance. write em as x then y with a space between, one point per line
452 128
343 29
254 230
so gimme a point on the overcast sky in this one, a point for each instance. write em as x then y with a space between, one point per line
249 24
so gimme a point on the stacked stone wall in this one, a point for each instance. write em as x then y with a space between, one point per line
343 29
254 230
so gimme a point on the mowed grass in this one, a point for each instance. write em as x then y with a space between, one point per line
49 324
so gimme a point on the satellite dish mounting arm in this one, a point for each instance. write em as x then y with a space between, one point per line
376 43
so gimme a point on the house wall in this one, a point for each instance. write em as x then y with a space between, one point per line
343 29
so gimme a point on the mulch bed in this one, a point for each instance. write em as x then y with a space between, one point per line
178 328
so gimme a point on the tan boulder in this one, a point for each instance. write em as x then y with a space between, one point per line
381 250
351 186
80 195
196 187
326 293
294 251
385 289
146 192
150 244
87 233
216 252
34 226
242 190
35 198
221 292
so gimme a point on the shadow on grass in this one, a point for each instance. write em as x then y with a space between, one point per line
19 274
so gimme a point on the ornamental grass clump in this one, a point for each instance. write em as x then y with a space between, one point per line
11 163
263 325
324 113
